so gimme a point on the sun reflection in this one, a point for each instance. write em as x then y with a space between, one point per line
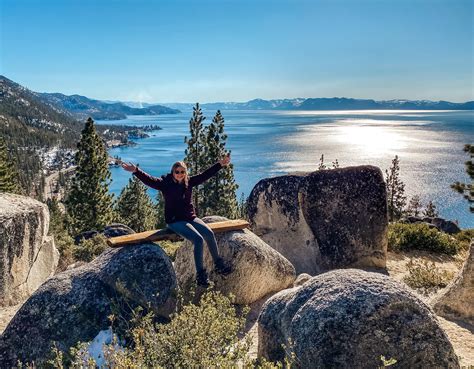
357 141
373 140
366 137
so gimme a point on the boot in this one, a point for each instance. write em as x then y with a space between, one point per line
201 278
222 267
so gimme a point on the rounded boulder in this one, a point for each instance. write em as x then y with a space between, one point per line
74 305
350 318
257 269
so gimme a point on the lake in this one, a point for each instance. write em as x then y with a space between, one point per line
271 143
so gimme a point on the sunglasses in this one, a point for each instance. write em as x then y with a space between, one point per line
179 171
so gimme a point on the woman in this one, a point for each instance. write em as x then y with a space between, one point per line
180 216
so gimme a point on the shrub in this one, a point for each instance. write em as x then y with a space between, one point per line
170 247
465 237
68 251
87 250
419 236
201 335
426 276
65 245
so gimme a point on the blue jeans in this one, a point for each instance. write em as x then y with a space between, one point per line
197 231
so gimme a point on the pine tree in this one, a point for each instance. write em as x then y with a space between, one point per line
57 227
396 199
321 165
195 152
466 189
430 210
414 206
135 207
8 174
160 210
242 207
89 203
221 189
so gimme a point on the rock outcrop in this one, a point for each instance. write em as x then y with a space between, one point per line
324 220
116 230
456 301
348 319
74 305
301 279
257 268
28 256
446 226
111 230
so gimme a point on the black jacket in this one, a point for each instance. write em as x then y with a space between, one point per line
178 200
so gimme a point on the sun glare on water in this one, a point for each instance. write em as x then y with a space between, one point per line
374 141
367 137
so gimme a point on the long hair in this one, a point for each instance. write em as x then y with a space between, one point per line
183 165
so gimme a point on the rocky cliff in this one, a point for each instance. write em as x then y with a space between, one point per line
28 255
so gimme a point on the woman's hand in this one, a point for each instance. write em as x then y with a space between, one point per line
129 167
224 162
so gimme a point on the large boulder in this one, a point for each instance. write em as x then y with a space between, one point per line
348 318
457 299
111 230
324 220
447 226
257 268
74 305
116 230
28 256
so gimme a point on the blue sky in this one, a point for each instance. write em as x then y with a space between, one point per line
188 51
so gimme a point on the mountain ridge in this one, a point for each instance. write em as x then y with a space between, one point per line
329 103
83 107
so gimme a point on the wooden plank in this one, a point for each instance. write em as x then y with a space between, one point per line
167 234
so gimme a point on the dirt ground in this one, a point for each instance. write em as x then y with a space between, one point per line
460 334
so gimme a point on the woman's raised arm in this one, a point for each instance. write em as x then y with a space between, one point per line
150 181
208 173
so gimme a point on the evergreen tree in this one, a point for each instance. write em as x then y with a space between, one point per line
242 207
414 206
135 208
466 189
40 189
396 199
160 211
8 173
195 152
57 227
220 190
430 210
89 203
321 165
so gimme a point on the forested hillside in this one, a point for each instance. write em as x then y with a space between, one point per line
26 121
82 107
31 126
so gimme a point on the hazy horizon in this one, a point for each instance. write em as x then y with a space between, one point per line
234 101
